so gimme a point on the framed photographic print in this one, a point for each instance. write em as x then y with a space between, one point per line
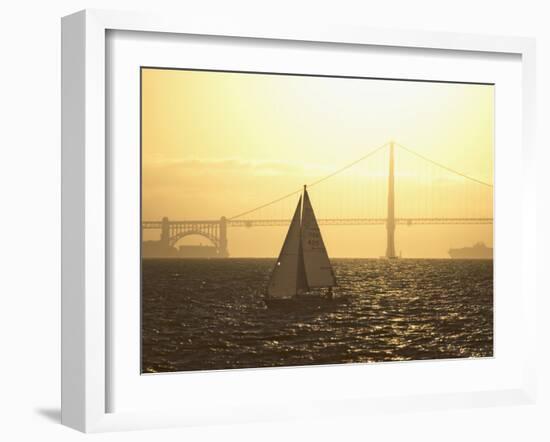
313 274
265 223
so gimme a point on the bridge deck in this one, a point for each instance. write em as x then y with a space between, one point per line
322 221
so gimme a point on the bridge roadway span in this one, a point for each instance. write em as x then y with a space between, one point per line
322 221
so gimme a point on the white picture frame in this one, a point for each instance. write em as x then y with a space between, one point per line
85 202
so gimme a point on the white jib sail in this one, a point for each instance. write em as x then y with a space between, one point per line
285 278
316 263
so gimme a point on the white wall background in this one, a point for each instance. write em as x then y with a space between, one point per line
30 219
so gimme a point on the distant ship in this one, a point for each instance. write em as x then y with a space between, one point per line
303 264
477 251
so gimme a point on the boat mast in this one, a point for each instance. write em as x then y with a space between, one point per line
303 197
300 271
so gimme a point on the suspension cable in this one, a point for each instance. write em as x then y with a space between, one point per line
353 163
288 195
443 166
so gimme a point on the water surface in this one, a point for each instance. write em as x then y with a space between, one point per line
206 314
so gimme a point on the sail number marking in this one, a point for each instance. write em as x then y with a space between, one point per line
313 238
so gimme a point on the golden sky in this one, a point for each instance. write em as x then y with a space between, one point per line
216 143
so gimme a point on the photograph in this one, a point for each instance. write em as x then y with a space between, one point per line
303 219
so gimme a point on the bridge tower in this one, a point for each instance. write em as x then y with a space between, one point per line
165 232
222 248
390 220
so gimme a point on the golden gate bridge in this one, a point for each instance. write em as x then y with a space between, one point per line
447 197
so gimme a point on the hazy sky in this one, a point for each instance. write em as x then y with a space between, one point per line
218 144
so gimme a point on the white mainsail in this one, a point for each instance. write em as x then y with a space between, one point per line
316 263
288 275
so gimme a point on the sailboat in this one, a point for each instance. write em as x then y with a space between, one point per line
303 266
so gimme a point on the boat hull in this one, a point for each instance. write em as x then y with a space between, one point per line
303 301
